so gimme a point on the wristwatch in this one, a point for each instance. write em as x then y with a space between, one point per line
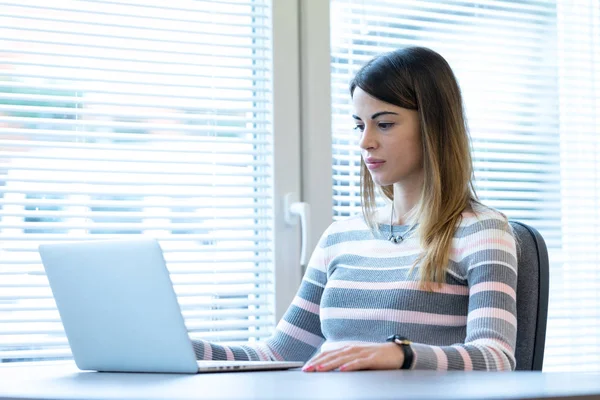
404 343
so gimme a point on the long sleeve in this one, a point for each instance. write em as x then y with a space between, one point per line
297 336
487 252
358 288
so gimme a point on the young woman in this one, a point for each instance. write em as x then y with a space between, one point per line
426 282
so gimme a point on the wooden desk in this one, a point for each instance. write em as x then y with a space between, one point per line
66 382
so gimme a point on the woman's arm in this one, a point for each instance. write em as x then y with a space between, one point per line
298 335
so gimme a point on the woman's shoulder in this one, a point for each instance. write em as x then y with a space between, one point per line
483 221
354 222
342 229
481 214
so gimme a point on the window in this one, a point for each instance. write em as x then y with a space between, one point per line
138 118
181 121
529 75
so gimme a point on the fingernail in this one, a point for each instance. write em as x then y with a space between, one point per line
343 368
320 367
307 368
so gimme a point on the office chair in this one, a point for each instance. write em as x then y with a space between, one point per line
532 297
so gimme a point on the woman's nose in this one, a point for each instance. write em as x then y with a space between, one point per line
367 140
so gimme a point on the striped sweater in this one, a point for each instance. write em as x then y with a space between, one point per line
357 289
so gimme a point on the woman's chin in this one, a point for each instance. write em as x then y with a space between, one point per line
384 183
381 180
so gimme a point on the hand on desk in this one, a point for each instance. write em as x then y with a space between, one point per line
358 357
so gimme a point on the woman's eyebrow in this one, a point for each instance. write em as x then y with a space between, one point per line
377 114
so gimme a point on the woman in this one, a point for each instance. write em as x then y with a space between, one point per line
426 282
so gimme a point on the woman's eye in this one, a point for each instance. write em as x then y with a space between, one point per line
359 128
385 125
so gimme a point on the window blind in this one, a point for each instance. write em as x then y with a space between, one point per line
135 117
530 76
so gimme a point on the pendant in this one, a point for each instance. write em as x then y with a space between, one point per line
396 239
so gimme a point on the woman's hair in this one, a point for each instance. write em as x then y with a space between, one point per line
420 79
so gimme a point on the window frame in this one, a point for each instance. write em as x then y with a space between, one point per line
286 155
317 157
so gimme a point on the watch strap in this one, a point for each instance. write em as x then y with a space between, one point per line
404 344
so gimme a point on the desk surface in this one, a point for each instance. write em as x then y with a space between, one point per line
66 382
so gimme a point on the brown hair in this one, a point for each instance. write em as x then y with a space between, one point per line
420 79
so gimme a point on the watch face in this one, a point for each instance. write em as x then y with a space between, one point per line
393 338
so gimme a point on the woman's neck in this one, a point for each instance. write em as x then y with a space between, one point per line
406 197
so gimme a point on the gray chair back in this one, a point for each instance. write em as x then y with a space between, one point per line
532 297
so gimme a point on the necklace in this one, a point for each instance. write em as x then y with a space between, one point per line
397 238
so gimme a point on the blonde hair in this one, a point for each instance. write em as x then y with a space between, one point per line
420 79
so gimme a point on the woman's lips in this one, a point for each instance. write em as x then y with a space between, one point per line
374 164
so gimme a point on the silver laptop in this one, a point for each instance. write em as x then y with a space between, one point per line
120 312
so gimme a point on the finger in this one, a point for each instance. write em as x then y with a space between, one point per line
355 365
320 358
336 362
311 364
317 364
324 358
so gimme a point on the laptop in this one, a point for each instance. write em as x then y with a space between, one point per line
120 312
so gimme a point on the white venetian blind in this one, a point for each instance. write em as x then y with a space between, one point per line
530 76
137 118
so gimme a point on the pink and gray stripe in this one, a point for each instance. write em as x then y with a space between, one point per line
357 288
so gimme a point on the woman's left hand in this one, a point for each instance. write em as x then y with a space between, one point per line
357 357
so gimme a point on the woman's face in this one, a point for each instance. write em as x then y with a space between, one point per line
390 140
